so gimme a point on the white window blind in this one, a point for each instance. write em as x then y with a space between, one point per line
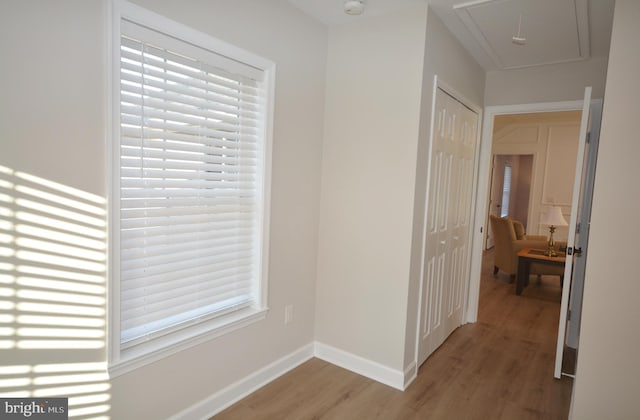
190 193
506 191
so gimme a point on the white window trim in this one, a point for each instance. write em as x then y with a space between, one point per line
122 361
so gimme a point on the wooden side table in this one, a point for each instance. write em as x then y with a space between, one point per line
531 255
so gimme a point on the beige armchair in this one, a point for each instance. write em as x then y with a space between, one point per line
509 238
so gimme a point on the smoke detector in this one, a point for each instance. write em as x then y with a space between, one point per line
354 7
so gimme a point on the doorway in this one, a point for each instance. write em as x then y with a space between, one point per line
590 116
491 124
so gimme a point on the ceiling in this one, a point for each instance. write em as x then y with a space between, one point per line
331 12
556 31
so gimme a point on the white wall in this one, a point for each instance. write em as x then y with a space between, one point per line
51 111
443 56
52 122
608 371
550 83
374 76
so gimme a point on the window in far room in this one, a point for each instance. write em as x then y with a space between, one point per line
506 191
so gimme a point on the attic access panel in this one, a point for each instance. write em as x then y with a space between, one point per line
556 31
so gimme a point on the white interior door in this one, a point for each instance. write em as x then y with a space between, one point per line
448 215
582 228
571 241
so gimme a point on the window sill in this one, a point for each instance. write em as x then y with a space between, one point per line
152 351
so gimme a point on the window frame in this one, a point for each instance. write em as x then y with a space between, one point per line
125 360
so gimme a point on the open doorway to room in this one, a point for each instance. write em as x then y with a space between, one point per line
553 180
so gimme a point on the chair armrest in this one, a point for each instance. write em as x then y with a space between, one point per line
535 237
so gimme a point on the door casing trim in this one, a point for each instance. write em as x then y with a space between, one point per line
482 187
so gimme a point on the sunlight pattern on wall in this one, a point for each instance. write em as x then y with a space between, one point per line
53 248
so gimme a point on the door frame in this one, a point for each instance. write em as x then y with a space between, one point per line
483 187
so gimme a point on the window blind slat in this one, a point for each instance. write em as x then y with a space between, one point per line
186 302
204 56
141 60
214 138
183 271
186 237
244 163
142 193
191 299
180 109
231 279
145 81
158 125
182 123
165 255
167 271
184 150
140 222
157 325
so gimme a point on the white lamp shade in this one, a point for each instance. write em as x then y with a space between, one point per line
554 217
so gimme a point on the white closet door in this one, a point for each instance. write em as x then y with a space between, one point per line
448 214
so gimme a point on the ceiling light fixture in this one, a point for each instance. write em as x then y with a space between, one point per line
354 7
519 39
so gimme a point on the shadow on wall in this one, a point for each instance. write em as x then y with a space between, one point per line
53 294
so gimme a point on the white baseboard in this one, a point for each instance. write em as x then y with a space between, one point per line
410 373
224 398
361 366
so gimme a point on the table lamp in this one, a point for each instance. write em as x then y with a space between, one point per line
553 218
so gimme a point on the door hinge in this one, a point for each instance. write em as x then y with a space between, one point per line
578 227
574 251
589 137
569 315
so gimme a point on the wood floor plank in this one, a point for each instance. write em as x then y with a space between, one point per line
498 368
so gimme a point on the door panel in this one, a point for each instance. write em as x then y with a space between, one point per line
435 258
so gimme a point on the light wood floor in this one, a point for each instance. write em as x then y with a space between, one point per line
498 368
